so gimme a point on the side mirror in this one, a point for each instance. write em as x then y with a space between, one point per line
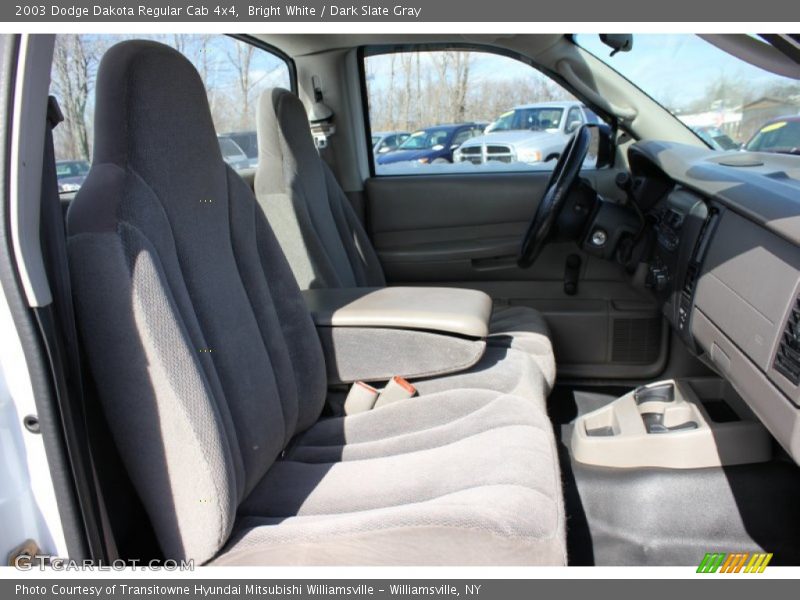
573 126
383 149
603 146
438 147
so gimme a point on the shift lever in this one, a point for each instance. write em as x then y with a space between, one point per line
654 423
664 392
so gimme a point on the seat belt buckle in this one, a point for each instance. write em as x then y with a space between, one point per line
397 389
360 398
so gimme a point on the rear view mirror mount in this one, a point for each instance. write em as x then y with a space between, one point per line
618 42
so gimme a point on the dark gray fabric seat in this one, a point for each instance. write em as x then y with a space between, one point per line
212 377
324 241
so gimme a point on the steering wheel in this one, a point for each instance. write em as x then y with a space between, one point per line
555 195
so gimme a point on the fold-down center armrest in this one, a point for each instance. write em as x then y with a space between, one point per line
372 334
445 310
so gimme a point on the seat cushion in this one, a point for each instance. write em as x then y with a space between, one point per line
523 328
466 477
500 369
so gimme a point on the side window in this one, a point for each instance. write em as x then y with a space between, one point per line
463 136
499 113
234 72
390 142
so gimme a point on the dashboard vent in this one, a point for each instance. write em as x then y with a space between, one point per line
787 360
698 254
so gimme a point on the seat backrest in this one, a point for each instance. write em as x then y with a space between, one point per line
205 357
324 241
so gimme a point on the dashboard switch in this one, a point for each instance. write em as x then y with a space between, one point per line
658 277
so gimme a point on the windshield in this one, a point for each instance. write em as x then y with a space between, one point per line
716 138
781 136
701 85
229 147
246 142
425 139
540 118
73 168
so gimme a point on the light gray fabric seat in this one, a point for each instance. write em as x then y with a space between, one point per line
382 498
324 241
212 377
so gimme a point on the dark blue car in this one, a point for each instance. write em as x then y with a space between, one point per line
432 145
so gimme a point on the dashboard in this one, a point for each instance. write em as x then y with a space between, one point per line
726 267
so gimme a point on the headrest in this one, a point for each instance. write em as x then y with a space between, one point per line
152 111
153 137
285 143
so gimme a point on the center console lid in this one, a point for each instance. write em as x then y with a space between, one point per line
446 310
373 334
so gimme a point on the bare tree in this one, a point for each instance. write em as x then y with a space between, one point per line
461 64
407 62
391 90
241 57
74 64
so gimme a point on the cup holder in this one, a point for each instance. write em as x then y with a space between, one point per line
602 424
666 424
662 392
656 423
661 413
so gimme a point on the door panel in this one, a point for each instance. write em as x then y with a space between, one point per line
465 230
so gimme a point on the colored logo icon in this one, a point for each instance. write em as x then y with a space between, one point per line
736 562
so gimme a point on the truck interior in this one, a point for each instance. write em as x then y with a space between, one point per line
305 358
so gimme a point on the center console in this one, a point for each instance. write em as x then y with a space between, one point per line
373 334
676 424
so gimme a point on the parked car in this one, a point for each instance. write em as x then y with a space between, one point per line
778 135
232 153
70 174
716 138
247 141
387 141
431 145
531 133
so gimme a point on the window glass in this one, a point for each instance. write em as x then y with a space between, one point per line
779 136
470 111
723 99
463 136
234 73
